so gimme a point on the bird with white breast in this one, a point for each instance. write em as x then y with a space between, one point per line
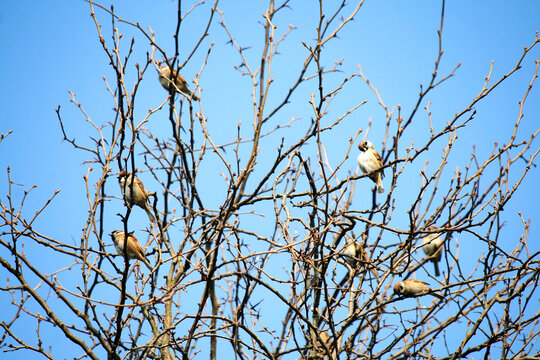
432 246
172 81
370 162
134 249
134 192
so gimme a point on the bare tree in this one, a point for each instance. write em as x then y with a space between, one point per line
283 263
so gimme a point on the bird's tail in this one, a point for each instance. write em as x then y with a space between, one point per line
188 94
149 213
147 263
436 266
380 187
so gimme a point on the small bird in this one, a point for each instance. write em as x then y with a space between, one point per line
134 249
139 195
413 288
370 162
325 339
354 253
319 351
175 83
432 245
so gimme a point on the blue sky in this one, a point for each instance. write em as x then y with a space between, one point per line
50 47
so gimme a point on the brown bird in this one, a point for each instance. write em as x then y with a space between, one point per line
370 162
319 351
139 195
174 83
134 249
432 246
413 288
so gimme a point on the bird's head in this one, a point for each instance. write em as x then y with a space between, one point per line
365 145
115 233
398 288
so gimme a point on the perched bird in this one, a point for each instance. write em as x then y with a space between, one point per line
175 83
353 252
432 245
412 288
370 162
134 249
319 351
134 193
325 339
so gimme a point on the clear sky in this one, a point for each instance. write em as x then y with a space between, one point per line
51 46
394 42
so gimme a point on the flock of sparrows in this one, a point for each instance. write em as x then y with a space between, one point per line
132 188
370 162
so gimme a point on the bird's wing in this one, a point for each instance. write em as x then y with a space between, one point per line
141 187
378 158
418 281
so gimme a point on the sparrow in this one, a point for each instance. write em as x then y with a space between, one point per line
413 288
318 351
134 249
432 245
354 253
139 195
324 337
176 83
370 162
